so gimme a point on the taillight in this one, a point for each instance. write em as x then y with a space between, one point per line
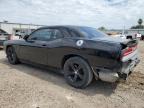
129 50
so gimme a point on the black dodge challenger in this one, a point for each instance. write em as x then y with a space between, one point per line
81 52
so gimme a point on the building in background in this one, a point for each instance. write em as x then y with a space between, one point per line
18 29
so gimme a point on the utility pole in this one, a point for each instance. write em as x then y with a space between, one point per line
123 32
0 25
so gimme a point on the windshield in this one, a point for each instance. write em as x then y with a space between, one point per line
91 32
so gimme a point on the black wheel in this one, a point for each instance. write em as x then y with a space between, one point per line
11 55
77 72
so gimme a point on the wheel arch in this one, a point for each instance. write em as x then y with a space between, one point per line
7 47
66 57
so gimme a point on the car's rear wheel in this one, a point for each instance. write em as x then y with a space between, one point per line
77 72
11 55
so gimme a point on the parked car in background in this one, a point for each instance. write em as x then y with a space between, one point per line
118 35
131 36
18 34
142 37
138 35
3 37
81 52
121 36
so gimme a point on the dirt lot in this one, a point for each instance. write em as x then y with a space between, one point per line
24 86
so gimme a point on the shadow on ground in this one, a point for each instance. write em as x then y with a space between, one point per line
97 87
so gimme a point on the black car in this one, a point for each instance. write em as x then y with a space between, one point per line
81 52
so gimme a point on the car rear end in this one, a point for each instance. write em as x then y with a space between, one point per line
126 61
129 58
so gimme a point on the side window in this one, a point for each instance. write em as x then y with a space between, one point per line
56 34
42 35
66 33
74 34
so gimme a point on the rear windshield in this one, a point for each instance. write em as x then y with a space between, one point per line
89 32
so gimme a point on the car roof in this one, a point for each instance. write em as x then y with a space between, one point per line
62 26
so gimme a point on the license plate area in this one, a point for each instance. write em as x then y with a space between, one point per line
131 66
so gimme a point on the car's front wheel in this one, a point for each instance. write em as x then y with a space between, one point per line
77 72
11 55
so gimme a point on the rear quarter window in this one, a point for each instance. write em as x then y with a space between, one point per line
89 32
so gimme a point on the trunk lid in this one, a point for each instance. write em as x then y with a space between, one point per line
113 39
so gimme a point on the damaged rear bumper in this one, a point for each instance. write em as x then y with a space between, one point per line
128 67
123 72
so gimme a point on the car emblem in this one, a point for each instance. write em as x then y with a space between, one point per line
79 42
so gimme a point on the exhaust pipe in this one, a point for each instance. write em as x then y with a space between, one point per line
108 76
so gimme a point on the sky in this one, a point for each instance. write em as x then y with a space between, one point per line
112 14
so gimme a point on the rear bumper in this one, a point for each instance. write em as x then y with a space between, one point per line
126 68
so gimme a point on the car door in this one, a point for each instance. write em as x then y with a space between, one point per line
55 48
35 47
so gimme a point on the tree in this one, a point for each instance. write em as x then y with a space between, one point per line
140 21
139 26
102 28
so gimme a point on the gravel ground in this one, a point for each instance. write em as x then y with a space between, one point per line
24 86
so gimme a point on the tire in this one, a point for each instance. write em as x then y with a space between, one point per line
77 72
11 55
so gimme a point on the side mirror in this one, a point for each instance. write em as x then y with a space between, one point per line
25 37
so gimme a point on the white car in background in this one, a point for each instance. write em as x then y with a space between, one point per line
17 36
119 35
138 35
14 37
123 36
